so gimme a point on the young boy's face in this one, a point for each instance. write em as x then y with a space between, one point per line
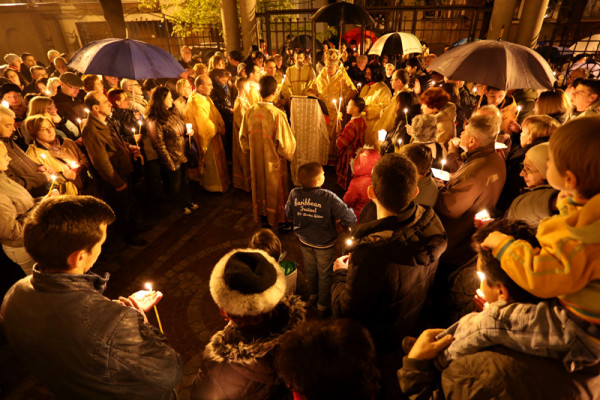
489 291
321 178
351 108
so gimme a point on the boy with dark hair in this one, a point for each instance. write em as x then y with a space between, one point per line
315 212
390 263
422 157
76 341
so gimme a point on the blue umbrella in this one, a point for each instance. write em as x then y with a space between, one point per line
125 58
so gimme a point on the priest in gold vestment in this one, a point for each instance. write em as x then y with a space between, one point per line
377 96
266 134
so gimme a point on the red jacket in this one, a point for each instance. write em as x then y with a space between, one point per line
356 196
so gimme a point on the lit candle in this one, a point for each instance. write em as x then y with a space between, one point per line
382 133
334 102
475 90
140 126
136 136
482 216
48 93
481 276
518 111
43 158
52 184
349 242
87 110
406 115
73 165
149 288
79 123
189 131
5 103
443 163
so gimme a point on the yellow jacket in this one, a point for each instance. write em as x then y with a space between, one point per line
567 266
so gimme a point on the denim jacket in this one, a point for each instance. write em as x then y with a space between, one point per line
83 345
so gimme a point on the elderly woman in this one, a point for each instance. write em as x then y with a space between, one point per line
377 96
15 202
332 84
424 131
184 90
167 132
435 101
61 155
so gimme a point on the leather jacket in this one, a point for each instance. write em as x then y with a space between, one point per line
83 345
168 139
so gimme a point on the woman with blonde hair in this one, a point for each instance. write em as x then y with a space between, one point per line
200 69
555 104
216 62
52 85
42 105
60 155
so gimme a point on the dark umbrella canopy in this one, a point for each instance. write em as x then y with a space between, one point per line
503 65
304 42
342 13
125 58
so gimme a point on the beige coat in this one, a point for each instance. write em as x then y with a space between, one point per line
446 123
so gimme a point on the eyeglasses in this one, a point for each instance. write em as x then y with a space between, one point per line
528 170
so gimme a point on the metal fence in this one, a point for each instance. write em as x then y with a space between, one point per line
437 25
158 33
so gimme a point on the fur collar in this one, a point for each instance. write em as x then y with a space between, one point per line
232 345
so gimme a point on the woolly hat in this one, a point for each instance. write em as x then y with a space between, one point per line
539 157
11 58
247 282
9 87
71 79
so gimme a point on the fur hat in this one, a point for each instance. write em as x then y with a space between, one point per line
247 282
539 157
11 58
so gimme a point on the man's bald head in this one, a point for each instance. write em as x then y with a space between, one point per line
204 85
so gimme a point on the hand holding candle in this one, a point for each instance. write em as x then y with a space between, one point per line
406 115
52 184
147 299
518 112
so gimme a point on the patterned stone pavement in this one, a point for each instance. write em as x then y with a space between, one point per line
177 261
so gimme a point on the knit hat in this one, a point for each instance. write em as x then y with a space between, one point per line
538 155
11 58
71 79
9 87
247 282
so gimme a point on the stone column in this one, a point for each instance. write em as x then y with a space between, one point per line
231 28
531 22
502 16
249 25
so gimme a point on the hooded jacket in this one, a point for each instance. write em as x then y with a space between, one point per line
392 264
238 362
356 196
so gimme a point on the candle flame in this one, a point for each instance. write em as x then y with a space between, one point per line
444 161
43 156
133 130
53 177
148 286
79 120
518 108
481 276
140 123
334 101
399 141
405 110
480 294
48 92
349 242
73 164
475 89
482 215
87 110
382 134
5 103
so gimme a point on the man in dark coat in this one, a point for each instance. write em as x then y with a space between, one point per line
111 158
391 262
81 344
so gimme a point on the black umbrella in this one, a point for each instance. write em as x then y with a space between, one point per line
343 13
304 42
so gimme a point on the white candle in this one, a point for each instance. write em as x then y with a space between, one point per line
382 133
149 288
443 163
518 111
52 184
482 216
406 115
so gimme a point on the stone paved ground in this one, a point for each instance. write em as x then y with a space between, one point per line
178 262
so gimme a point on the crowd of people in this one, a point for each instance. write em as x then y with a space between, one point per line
470 207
